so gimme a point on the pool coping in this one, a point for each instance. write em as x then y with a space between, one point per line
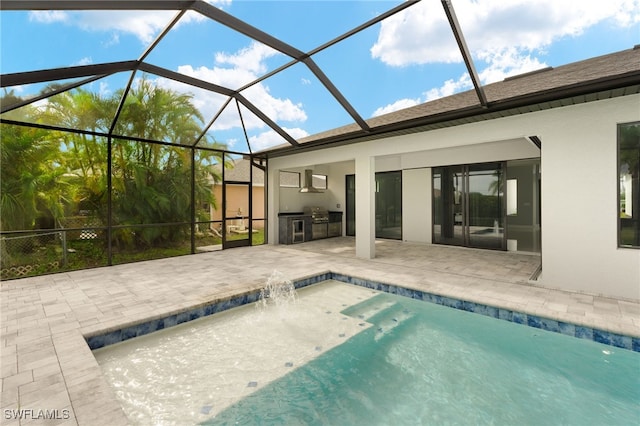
101 338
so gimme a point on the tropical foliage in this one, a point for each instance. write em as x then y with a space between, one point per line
48 175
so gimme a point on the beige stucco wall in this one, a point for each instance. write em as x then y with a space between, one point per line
237 199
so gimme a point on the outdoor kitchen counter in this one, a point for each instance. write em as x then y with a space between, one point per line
293 227
335 224
297 227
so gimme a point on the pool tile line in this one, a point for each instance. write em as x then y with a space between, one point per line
582 332
98 339
531 320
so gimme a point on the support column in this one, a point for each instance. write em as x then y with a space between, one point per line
365 207
273 204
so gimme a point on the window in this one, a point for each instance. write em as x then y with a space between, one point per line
319 181
289 179
629 185
389 205
469 205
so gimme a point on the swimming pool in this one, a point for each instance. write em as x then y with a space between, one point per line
350 355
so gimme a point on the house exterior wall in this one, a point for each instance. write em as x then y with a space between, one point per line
579 184
416 205
291 200
237 199
579 200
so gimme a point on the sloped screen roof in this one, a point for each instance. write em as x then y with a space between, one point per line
246 75
251 85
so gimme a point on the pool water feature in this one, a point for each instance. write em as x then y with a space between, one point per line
396 360
190 372
279 291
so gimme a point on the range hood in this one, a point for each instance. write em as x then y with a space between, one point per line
307 185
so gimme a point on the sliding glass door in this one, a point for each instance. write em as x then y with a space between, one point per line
468 205
350 185
523 205
486 212
448 206
388 205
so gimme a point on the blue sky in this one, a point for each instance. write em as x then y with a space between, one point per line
408 59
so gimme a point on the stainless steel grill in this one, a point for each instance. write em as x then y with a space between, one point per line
319 221
318 214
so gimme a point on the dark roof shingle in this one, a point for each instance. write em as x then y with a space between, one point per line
591 75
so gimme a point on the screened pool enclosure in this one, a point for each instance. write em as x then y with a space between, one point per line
113 159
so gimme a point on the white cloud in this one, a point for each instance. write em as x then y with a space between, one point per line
500 66
507 63
84 61
113 41
397 105
233 70
277 109
418 35
449 88
628 14
270 138
104 89
48 16
145 25
208 103
421 34
232 142
250 59
503 36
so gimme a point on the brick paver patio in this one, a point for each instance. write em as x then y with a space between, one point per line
46 364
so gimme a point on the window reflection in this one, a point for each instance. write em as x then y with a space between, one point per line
468 205
629 190
389 205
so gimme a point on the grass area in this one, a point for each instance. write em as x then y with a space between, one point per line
42 256
48 256
257 237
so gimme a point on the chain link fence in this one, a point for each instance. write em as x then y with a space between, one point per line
78 243
23 255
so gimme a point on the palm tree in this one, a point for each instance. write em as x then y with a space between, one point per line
151 182
84 155
32 184
52 172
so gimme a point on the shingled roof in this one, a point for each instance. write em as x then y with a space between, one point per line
612 75
238 170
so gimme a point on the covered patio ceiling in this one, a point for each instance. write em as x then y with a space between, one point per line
238 101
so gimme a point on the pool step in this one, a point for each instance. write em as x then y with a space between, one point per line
385 313
369 308
389 319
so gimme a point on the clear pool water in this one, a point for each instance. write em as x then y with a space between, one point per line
404 361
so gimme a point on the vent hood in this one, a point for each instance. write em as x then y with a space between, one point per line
307 185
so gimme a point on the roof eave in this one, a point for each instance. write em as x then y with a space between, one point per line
629 79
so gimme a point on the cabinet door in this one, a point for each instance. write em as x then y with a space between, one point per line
335 229
297 230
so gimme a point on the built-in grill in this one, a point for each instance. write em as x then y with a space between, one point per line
319 221
318 214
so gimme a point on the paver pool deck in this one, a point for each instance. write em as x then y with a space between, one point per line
47 365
